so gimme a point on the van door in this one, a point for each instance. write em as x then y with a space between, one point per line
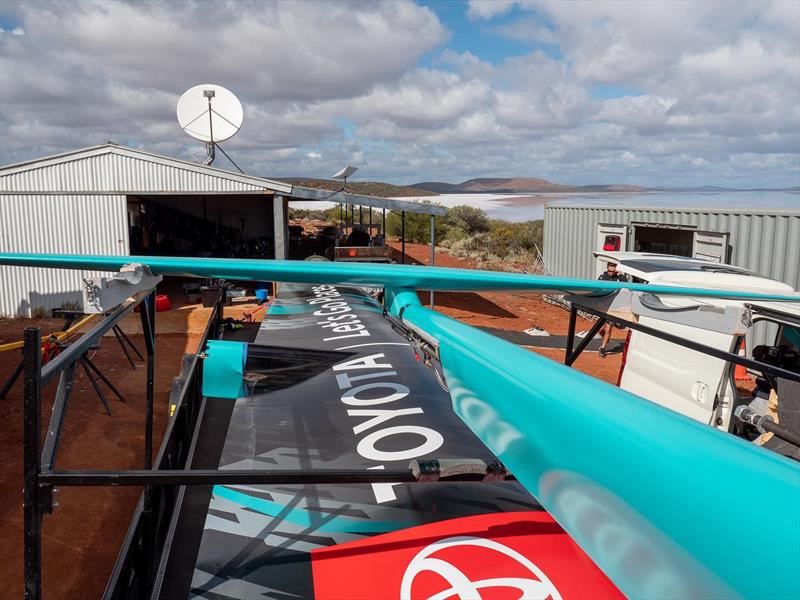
673 376
610 238
711 246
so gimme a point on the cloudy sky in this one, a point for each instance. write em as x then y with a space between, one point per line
657 93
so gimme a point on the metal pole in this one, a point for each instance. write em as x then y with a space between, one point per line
210 145
585 342
573 315
403 237
433 248
147 313
32 411
383 224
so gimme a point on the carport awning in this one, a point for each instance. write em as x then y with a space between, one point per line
303 193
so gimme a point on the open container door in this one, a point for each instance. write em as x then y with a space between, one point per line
711 246
610 238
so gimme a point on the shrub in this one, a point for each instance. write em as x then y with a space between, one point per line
468 219
39 312
418 227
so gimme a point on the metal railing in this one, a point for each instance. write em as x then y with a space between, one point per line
141 565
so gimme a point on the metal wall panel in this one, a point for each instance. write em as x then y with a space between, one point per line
55 224
116 172
766 242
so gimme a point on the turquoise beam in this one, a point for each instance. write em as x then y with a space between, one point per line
361 274
223 369
667 507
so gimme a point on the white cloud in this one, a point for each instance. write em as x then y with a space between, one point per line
708 83
486 9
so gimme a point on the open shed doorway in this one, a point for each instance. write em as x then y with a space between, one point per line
682 240
663 239
220 225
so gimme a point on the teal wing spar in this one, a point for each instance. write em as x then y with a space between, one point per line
362 274
667 507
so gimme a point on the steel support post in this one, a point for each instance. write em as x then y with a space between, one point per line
32 514
433 249
12 379
573 316
585 342
147 314
60 405
403 237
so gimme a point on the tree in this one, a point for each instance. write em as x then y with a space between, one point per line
469 219
418 227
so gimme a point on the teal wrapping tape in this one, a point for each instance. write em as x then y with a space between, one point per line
363 274
223 369
660 502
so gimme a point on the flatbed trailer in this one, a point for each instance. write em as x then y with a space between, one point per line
321 404
375 254
362 450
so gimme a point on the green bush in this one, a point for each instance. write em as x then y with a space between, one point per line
468 219
418 227
492 242
466 231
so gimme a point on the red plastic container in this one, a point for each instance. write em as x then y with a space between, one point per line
163 303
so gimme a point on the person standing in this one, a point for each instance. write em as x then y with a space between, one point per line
610 274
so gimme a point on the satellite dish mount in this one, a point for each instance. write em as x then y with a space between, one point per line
212 114
210 145
344 174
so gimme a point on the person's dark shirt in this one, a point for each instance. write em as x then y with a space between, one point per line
606 276
358 237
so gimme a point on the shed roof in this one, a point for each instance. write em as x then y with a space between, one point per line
113 169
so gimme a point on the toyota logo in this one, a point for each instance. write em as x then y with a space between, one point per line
535 587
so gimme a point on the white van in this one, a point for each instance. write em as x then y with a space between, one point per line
695 384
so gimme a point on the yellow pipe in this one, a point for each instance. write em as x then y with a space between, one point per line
59 335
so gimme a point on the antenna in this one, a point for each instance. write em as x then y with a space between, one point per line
342 175
345 173
210 113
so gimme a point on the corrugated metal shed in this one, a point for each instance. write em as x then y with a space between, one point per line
112 168
76 202
81 224
766 242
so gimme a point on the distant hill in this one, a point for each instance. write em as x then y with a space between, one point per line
366 188
531 185
517 185
718 189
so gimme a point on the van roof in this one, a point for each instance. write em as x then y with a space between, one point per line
786 309
682 271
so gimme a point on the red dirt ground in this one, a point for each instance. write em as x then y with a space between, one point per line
83 535
513 311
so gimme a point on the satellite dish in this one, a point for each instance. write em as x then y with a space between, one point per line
345 173
210 113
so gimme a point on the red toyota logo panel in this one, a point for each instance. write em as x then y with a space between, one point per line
494 556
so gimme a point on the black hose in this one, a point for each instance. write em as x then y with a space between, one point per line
787 435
